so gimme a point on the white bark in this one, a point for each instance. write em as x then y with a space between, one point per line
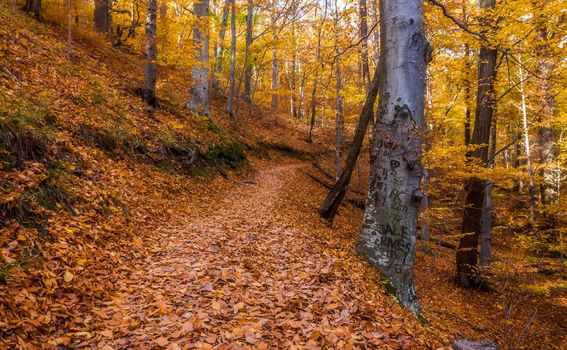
527 146
199 102
388 234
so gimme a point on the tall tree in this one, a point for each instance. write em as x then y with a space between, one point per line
364 43
339 108
219 50
232 74
545 143
318 65
388 233
478 190
275 65
199 100
247 61
150 65
102 15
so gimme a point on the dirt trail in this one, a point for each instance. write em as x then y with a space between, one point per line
237 275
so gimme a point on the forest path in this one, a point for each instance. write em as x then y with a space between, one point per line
237 275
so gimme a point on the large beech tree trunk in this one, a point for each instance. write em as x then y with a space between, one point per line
333 200
199 101
388 234
150 66
478 191
102 16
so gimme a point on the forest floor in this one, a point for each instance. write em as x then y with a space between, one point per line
241 270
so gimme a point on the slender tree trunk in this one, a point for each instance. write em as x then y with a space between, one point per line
102 15
301 93
364 43
467 88
150 66
247 63
339 119
133 19
376 33
313 105
316 77
339 116
334 198
546 145
69 4
275 78
220 47
230 100
473 220
219 50
527 147
388 234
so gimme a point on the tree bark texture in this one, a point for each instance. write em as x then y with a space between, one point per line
33 6
150 66
247 60
474 222
388 234
232 74
102 16
199 101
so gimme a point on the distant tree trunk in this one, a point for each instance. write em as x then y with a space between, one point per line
199 100
301 114
527 147
546 145
275 78
33 6
339 119
69 4
376 36
232 78
364 44
477 189
219 52
134 18
334 198
150 66
316 77
467 88
339 116
247 63
102 15
388 234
